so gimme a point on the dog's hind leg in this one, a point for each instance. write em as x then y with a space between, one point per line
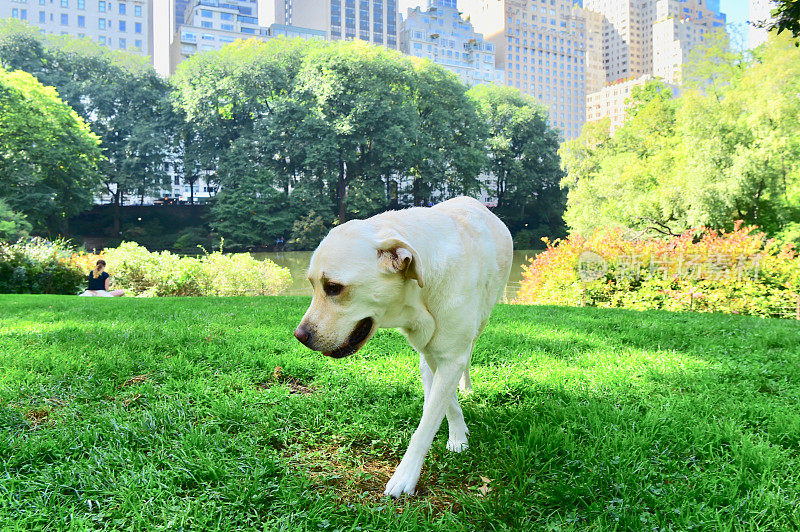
427 377
456 426
442 392
465 384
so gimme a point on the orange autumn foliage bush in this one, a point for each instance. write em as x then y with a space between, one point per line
738 271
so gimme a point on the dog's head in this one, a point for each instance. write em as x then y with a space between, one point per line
358 281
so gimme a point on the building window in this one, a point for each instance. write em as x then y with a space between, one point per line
101 6
81 21
137 10
138 44
207 24
123 8
41 17
64 19
226 16
101 39
227 27
81 4
64 3
122 26
205 13
122 43
101 23
137 27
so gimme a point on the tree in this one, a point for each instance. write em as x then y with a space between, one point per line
13 225
359 97
118 94
242 125
523 157
726 150
447 154
48 155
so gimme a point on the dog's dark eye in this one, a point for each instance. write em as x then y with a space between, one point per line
333 289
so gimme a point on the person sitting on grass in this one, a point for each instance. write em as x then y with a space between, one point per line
99 282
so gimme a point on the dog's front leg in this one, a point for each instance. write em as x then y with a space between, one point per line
443 388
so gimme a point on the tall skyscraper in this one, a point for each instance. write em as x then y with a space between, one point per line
541 44
373 21
440 34
120 25
680 27
642 39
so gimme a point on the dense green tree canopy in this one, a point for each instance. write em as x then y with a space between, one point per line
119 95
48 155
727 149
522 152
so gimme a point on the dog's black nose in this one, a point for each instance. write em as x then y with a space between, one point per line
303 335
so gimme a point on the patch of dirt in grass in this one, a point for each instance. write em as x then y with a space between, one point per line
37 417
293 383
361 479
136 379
40 416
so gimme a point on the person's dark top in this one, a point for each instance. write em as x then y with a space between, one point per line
98 283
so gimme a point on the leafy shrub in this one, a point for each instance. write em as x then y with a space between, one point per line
13 225
36 266
153 274
166 274
239 274
308 232
194 236
705 270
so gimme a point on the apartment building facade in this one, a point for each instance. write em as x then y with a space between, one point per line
541 45
610 101
440 34
373 21
120 25
680 26
211 24
643 40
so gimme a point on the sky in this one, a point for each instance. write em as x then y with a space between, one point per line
736 10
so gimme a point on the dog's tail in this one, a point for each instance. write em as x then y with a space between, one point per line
466 383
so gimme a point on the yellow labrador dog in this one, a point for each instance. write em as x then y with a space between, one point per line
435 274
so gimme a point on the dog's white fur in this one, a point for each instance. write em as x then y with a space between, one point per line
435 274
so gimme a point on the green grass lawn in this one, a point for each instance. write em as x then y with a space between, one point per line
170 413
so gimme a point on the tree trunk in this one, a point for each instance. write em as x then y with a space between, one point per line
341 191
191 191
116 212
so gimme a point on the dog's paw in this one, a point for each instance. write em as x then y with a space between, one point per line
402 481
457 445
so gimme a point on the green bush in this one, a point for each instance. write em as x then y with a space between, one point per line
308 232
738 272
143 273
13 225
36 266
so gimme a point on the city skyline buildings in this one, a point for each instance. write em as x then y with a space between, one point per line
442 35
373 21
643 40
121 25
541 45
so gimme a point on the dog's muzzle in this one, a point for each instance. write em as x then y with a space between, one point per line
361 333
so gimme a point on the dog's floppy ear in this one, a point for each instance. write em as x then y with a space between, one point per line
396 256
